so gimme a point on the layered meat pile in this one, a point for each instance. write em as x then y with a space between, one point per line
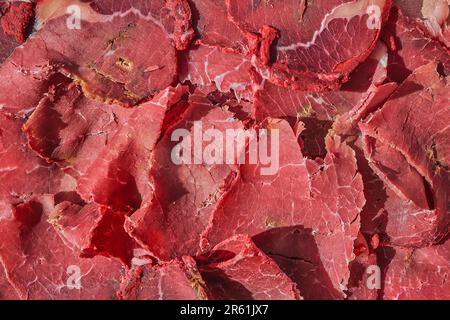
352 95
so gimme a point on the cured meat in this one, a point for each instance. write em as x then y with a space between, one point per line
224 150
166 225
42 266
15 21
416 274
325 196
236 269
413 162
175 280
319 56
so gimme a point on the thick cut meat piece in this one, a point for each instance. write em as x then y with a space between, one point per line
175 280
336 36
410 47
324 195
406 144
40 265
108 60
237 270
416 274
185 194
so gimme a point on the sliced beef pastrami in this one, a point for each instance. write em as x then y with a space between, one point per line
15 21
432 14
175 280
416 274
7 291
107 55
324 195
70 129
40 265
406 144
214 28
237 270
187 182
336 36
410 47
364 282
94 230
205 65
349 101
397 220
22 174
118 178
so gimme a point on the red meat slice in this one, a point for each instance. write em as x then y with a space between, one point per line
175 280
416 274
325 196
228 71
109 62
171 220
351 101
118 177
411 47
326 51
405 142
432 14
70 129
237 270
40 265
213 27
94 230
7 291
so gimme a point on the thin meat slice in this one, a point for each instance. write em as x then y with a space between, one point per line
324 195
175 280
213 27
365 278
405 142
228 71
22 174
432 14
186 188
416 274
336 36
94 230
351 102
109 61
118 177
40 265
411 47
237 270
70 129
